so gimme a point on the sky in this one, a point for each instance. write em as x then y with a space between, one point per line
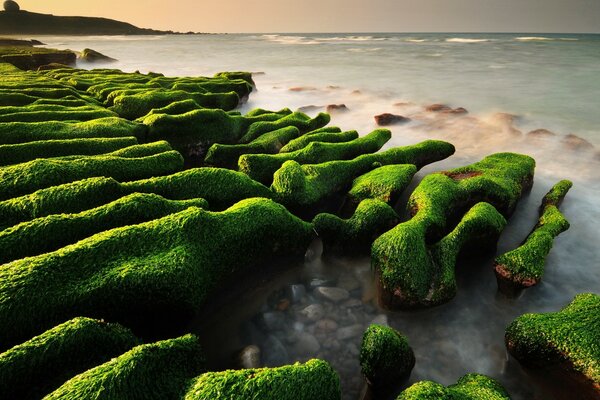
219 16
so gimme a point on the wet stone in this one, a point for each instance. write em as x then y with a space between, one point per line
326 325
352 303
249 357
273 320
313 312
348 282
275 352
333 294
349 332
297 293
307 344
318 282
381 319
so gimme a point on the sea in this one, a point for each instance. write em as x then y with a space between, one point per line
537 94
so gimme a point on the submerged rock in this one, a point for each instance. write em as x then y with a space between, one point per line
390 119
333 294
469 387
249 357
339 108
313 312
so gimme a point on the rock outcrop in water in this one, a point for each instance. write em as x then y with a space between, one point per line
386 359
469 387
523 267
415 261
563 344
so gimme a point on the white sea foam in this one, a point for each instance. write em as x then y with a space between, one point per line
364 50
416 40
533 38
303 40
467 40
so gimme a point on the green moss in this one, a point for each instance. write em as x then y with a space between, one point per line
67 115
246 76
325 135
40 365
152 371
356 234
220 187
401 255
385 183
305 187
22 132
52 232
479 228
20 179
568 340
469 387
161 271
23 152
175 108
261 167
301 121
223 155
132 106
314 380
385 357
524 266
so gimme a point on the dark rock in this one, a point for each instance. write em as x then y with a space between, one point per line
314 312
332 108
326 325
297 293
390 119
273 320
11 6
438 108
90 55
275 353
302 89
349 332
307 344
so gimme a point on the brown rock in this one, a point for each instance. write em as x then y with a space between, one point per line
302 89
438 108
458 111
575 142
310 108
390 119
541 133
283 304
332 108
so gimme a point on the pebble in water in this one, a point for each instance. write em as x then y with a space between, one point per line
333 294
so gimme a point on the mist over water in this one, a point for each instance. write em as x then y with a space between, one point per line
511 84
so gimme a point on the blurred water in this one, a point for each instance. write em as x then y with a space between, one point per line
547 81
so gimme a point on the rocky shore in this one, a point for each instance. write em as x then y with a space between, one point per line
129 202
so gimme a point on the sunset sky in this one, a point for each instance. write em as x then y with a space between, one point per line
339 15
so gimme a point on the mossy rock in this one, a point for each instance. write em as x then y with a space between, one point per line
567 342
523 267
409 274
158 371
314 380
150 275
40 365
386 359
469 387
326 134
355 235
46 234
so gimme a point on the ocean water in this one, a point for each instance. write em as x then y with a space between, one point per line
511 84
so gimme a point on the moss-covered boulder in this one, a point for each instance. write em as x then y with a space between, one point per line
21 179
50 233
523 267
224 155
152 371
42 113
385 183
22 132
154 275
563 344
386 359
325 135
305 188
314 380
408 276
23 152
300 120
355 235
469 387
40 365
261 167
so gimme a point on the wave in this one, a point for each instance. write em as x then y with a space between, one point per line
415 40
467 40
368 50
543 39
290 39
350 39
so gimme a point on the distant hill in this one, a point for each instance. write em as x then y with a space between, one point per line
29 23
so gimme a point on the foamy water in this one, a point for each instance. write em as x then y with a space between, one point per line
510 83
